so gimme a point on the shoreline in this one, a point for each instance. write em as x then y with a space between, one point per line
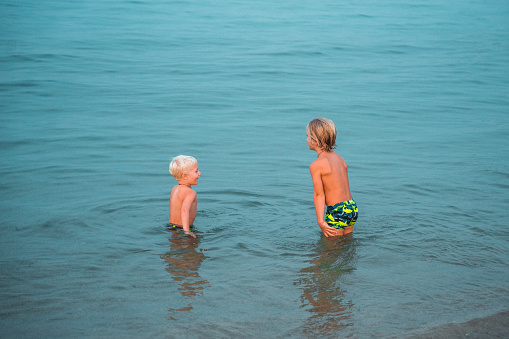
494 326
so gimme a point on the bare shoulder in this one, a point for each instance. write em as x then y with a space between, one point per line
188 192
316 165
336 155
320 165
174 191
338 159
180 192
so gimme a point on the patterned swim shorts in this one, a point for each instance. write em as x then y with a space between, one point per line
175 227
342 215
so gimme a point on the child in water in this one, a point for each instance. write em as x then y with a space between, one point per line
330 181
183 201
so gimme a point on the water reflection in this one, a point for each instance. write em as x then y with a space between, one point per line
323 293
183 263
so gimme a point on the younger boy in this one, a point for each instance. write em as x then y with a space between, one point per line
330 181
183 201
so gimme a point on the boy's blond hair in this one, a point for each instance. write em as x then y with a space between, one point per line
180 165
323 132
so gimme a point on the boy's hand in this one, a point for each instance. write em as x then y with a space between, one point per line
191 234
329 231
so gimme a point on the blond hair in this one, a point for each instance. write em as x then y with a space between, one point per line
323 132
180 165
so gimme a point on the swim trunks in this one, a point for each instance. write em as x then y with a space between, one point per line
175 227
342 215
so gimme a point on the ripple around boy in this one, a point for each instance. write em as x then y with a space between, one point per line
183 200
330 181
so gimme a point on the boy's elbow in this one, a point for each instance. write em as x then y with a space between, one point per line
319 195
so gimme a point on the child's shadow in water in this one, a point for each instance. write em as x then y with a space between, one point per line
323 296
183 264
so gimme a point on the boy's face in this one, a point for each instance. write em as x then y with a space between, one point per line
193 175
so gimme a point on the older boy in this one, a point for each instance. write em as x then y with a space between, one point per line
183 201
330 181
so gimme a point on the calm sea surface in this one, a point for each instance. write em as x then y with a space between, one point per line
96 97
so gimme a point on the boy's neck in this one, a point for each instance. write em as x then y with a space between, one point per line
188 185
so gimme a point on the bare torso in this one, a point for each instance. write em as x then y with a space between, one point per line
177 196
335 179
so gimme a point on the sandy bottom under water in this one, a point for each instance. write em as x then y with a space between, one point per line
495 326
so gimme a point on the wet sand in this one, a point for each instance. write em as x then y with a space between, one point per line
495 326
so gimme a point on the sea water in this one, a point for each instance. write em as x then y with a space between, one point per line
96 97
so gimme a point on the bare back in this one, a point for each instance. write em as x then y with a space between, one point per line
179 193
334 172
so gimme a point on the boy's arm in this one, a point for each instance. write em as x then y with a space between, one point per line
186 207
319 200
319 195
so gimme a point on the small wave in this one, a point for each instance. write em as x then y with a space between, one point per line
233 193
294 53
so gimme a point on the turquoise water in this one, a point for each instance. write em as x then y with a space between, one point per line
96 97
